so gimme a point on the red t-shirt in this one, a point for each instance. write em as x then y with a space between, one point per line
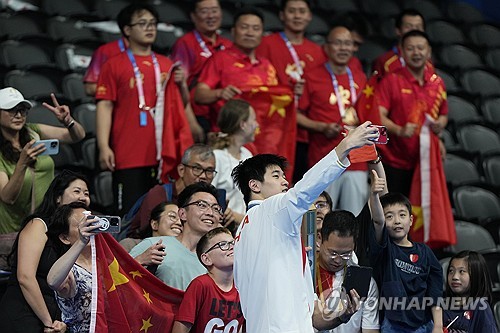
392 61
407 101
209 309
320 103
355 64
193 57
310 54
133 144
100 56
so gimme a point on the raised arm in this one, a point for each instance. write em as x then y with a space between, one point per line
74 132
376 210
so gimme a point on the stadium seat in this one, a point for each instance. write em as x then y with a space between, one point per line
85 114
103 189
16 26
21 55
271 21
491 110
380 8
369 51
472 237
73 88
451 84
75 58
171 13
444 33
445 262
66 8
69 31
476 204
109 9
41 115
460 171
492 259
66 158
492 59
496 311
317 26
480 82
450 143
462 12
337 6
491 169
485 35
478 139
460 111
32 85
459 56
89 147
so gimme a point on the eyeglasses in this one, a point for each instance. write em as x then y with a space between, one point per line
204 206
337 42
207 11
197 171
18 110
224 246
321 205
173 217
145 24
344 256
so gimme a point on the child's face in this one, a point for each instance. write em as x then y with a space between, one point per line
398 221
458 277
220 251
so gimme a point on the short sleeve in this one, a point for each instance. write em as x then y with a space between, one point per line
106 86
210 75
383 92
141 247
191 302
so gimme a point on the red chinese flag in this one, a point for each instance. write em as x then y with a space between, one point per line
366 106
125 296
177 135
432 216
275 110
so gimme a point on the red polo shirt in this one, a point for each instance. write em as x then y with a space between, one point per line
310 54
392 61
193 57
100 56
407 101
320 103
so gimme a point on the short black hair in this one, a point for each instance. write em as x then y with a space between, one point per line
194 5
340 221
59 221
255 168
408 12
201 247
284 2
248 10
415 33
124 17
190 190
327 197
395 198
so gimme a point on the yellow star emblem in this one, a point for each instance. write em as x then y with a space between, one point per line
118 278
146 296
135 274
418 221
368 91
146 325
278 105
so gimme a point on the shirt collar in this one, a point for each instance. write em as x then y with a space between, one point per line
254 203
241 55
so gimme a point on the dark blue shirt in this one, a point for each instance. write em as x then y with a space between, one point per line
471 321
410 280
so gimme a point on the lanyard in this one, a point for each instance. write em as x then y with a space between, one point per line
396 52
138 79
340 102
121 45
202 43
293 53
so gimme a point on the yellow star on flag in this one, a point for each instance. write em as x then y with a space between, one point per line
146 324
278 105
135 274
418 221
146 296
368 91
118 278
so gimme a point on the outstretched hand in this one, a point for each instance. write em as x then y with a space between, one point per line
363 135
60 111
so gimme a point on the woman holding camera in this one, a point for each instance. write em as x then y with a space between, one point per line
71 275
21 166
28 304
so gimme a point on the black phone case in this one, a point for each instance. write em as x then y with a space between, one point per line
358 278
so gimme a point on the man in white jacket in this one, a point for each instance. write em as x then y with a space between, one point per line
270 270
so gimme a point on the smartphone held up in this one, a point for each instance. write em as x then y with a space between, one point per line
107 223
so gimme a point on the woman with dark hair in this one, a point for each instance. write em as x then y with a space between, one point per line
71 275
28 304
25 173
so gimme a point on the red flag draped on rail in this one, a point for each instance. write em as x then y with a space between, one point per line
125 296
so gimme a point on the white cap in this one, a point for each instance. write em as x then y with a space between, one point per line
11 97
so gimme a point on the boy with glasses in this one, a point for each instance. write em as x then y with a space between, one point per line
211 301
199 212
142 127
